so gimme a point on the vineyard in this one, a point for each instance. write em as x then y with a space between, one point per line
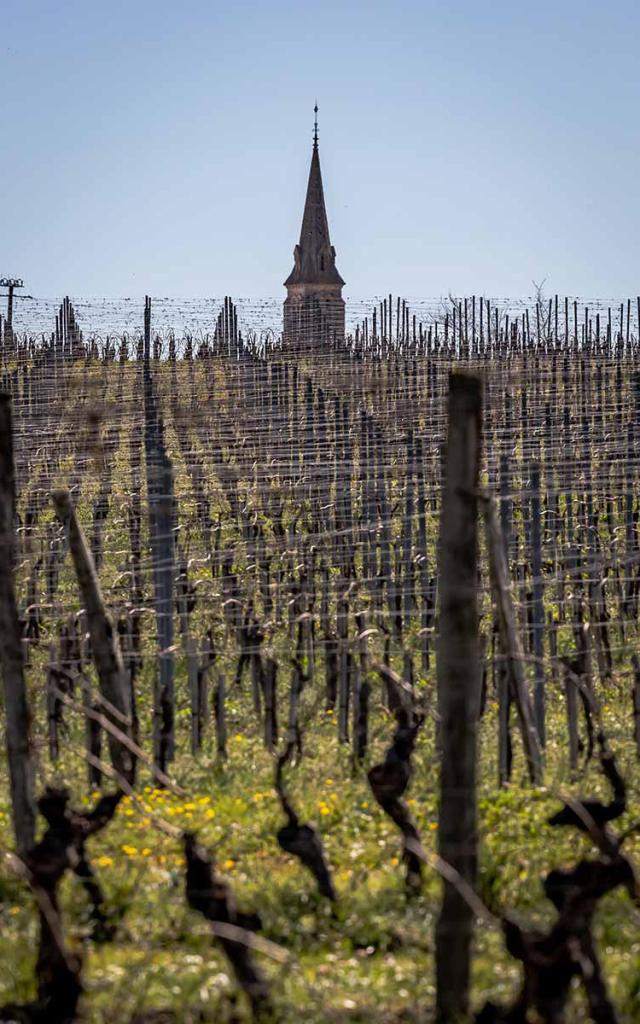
321 671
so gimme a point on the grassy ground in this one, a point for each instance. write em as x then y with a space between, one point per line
374 960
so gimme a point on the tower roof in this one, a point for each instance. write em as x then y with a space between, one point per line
314 255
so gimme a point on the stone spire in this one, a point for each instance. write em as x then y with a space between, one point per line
314 279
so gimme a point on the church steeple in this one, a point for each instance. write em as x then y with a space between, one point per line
314 275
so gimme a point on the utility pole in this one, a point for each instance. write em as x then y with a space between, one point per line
10 283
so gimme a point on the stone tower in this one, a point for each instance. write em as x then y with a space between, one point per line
314 307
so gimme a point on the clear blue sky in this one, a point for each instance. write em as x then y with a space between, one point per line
467 147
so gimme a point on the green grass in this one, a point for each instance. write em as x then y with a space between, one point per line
374 960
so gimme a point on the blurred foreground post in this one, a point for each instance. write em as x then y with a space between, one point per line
458 674
17 717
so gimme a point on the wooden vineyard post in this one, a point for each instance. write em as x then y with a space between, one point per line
458 691
161 522
510 641
17 717
344 665
52 706
636 701
362 692
423 562
147 329
191 656
538 604
219 707
161 515
407 535
504 692
92 738
269 682
297 684
571 695
104 638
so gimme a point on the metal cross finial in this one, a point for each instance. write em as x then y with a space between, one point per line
315 125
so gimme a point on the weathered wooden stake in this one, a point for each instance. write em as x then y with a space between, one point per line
636 700
538 603
458 675
571 695
17 717
269 684
510 641
104 639
219 707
